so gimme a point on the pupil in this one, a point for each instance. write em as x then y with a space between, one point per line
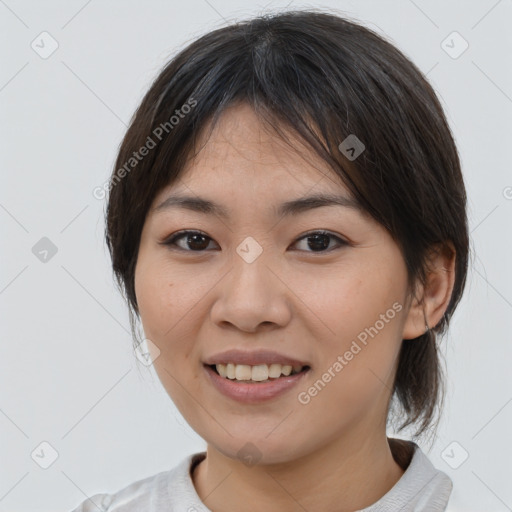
319 244
192 239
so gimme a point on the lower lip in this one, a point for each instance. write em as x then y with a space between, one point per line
252 393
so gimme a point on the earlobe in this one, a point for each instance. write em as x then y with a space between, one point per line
431 301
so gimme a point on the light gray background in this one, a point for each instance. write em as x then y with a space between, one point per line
68 375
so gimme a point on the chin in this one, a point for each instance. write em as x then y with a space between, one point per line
259 451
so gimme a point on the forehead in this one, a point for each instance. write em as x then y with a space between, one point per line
242 148
243 167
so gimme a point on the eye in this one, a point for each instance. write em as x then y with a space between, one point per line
321 240
195 239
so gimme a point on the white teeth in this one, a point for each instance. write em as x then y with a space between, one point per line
274 371
243 372
287 369
230 371
258 373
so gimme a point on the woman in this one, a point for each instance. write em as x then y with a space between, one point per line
287 218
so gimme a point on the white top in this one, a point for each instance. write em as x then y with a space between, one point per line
422 487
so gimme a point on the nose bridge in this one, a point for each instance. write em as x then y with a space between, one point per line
251 274
251 294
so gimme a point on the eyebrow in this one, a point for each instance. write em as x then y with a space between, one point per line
293 207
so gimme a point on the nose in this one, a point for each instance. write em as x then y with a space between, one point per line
251 297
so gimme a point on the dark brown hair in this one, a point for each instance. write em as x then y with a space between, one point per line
324 77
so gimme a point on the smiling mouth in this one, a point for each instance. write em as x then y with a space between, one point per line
256 374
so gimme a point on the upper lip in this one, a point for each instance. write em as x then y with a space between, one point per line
253 358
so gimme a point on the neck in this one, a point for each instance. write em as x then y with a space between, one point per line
344 475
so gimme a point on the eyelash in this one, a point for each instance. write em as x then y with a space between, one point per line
171 241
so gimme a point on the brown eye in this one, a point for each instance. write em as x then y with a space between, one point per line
194 241
319 241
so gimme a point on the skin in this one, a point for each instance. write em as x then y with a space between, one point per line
329 454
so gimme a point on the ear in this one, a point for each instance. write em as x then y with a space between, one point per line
430 301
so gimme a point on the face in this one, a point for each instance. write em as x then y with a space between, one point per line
325 285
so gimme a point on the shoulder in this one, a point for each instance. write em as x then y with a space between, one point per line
151 494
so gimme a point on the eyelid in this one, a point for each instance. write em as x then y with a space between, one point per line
341 241
169 241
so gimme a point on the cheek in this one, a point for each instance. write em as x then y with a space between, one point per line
162 297
151 288
169 301
362 316
163 306
353 300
